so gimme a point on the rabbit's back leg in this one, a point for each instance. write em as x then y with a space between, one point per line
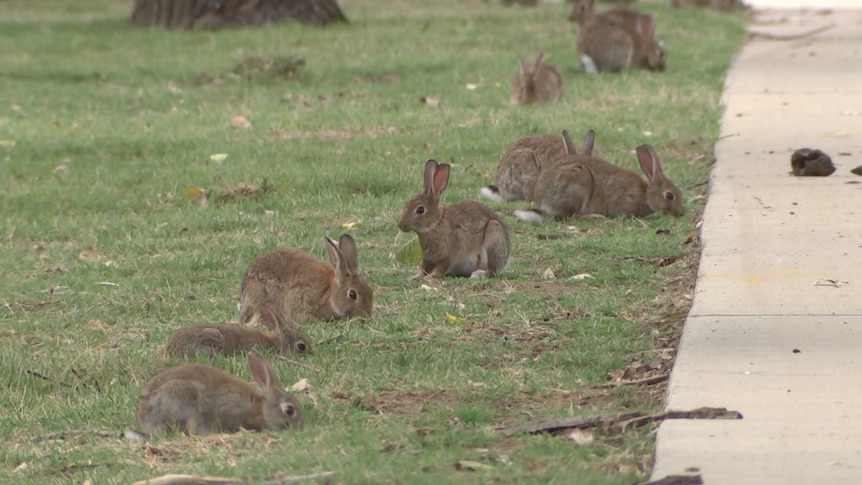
173 404
210 341
252 295
496 247
569 192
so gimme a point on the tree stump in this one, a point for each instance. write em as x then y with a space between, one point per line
196 14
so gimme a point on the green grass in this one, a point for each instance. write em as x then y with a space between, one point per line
107 132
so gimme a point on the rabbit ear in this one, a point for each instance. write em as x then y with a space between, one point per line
263 372
441 179
522 65
650 164
589 141
644 26
336 259
273 316
568 143
348 251
538 61
430 167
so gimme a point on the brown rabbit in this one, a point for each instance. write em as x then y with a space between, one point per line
306 288
536 83
613 43
586 185
199 399
461 239
584 10
214 338
602 47
522 162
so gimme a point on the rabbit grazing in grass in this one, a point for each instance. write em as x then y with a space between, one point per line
461 239
214 338
522 162
199 399
307 289
584 10
585 185
536 82
612 43
603 46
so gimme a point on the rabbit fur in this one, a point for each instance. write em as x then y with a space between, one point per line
609 43
462 239
522 162
213 338
584 185
306 288
199 399
584 10
536 82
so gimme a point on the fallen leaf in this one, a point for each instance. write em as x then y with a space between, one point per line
429 288
218 157
240 122
351 224
581 437
106 283
548 274
454 319
471 466
410 252
301 385
192 191
90 254
433 102
471 86
22 467
581 276
63 166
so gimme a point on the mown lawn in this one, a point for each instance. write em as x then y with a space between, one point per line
118 225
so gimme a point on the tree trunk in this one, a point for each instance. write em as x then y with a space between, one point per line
195 14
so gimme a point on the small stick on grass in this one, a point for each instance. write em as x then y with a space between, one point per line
646 381
281 478
64 435
617 421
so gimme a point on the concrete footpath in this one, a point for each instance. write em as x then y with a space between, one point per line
775 331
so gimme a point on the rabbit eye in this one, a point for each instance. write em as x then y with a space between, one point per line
420 209
300 346
351 294
668 195
287 409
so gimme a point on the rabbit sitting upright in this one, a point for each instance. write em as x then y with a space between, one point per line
199 399
536 83
221 339
585 185
462 239
306 288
